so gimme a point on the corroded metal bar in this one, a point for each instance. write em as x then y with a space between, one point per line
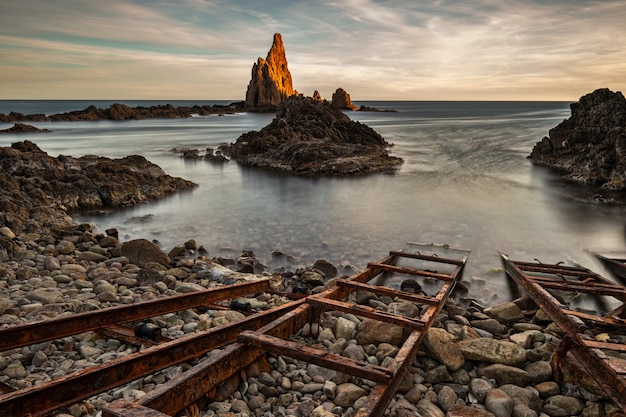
457 262
47 397
381 395
369 312
41 331
182 391
377 289
127 335
602 369
316 356
127 409
408 271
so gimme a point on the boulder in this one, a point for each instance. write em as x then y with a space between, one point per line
142 251
590 146
311 138
271 80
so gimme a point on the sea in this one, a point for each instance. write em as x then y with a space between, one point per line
466 182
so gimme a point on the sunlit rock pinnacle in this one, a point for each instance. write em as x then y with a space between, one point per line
271 80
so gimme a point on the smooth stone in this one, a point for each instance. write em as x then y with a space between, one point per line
524 339
507 312
354 351
499 403
480 388
428 409
539 371
45 295
446 398
344 328
374 331
548 389
348 393
444 348
505 374
573 406
493 351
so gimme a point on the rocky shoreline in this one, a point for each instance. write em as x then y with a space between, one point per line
494 361
475 361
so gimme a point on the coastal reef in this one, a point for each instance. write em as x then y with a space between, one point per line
35 186
591 145
118 111
308 137
271 80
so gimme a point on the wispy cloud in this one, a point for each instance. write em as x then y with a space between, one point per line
446 49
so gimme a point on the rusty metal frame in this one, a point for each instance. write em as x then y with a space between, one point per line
179 393
47 397
610 374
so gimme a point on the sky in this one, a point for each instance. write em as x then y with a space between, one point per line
376 50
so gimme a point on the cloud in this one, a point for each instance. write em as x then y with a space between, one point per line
485 49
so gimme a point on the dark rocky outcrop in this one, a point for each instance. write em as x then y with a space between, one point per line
23 128
308 137
341 100
34 185
119 111
271 80
591 145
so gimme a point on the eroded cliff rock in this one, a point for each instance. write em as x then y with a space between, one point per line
271 80
591 145
308 137
341 100
34 185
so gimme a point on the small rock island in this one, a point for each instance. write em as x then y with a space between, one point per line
590 146
310 138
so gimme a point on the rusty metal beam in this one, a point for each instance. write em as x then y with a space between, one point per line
41 331
457 262
377 289
127 409
127 335
316 356
606 371
45 398
408 271
369 312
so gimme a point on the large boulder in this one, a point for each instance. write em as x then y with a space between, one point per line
308 137
591 145
271 80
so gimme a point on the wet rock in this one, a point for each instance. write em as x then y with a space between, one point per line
499 403
373 331
443 347
505 374
348 393
142 251
573 406
505 313
493 351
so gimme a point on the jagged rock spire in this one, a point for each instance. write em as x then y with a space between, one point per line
271 80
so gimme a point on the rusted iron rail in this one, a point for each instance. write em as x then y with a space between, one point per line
45 398
45 330
609 373
181 392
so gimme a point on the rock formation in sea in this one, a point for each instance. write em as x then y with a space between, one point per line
341 100
311 138
317 96
590 146
34 185
271 80
23 128
118 111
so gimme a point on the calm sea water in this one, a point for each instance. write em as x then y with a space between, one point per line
465 182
